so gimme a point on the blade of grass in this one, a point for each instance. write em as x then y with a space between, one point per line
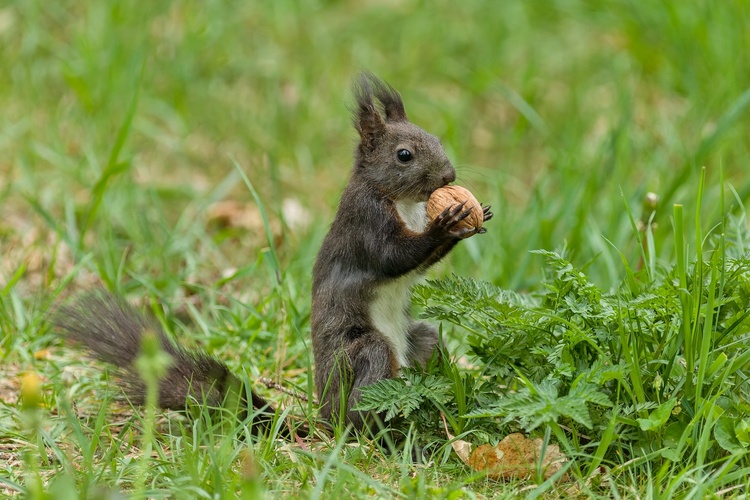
685 297
637 235
603 445
114 166
706 334
631 357
269 236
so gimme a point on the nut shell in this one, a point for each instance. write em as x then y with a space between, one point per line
450 196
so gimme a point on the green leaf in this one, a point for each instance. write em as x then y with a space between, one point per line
672 454
576 409
402 396
673 434
725 435
657 418
391 396
742 431
717 364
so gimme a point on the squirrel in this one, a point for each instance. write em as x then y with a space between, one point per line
379 244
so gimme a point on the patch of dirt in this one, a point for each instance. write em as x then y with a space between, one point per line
37 253
10 383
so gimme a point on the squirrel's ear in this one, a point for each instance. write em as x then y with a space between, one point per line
367 120
390 99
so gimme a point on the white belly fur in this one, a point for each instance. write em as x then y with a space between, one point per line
392 301
413 214
389 313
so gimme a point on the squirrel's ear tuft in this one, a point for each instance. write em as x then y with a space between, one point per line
389 98
367 119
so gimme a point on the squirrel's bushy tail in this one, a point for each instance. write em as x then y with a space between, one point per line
112 331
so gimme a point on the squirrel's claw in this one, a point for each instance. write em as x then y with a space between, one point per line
449 218
486 211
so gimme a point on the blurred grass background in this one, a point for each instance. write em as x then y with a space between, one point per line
549 110
121 121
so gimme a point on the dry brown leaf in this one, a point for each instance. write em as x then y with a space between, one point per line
230 213
245 216
461 447
516 457
42 354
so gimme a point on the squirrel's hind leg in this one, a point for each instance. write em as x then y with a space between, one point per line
365 361
423 339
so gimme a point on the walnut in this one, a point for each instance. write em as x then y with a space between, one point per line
450 196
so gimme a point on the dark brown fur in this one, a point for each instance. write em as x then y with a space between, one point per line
112 331
369 246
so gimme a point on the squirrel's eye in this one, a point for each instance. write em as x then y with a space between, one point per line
404 155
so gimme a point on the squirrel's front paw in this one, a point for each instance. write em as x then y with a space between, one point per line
486 215
446 224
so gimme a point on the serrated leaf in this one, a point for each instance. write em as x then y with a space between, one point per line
589 393
402 396
576 409
390 396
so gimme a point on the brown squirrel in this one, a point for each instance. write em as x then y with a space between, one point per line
379 245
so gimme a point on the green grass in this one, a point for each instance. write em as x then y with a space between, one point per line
122 125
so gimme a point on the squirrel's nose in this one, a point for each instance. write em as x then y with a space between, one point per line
449 176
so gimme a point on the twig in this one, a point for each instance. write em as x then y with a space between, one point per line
289 392
580 435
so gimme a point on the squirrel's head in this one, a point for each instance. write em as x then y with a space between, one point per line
394 154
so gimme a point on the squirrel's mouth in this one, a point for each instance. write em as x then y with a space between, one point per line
426 194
